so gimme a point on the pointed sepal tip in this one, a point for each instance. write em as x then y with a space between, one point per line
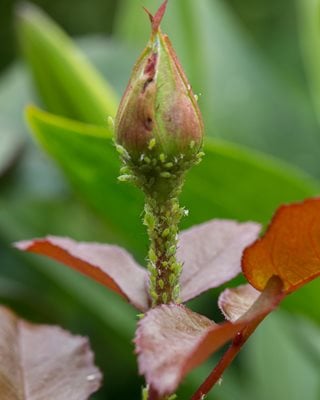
157 18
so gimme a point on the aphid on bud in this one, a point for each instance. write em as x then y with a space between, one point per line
158 111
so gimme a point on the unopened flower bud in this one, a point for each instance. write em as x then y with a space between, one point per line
158 115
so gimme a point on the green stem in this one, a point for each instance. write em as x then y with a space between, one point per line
161 178
162 220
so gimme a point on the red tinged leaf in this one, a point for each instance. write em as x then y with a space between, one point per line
236 302
164 337
290 249
44 362
171 340
211 254
255 308
109 265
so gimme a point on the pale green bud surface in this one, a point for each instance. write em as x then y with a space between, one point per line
159 134
158 109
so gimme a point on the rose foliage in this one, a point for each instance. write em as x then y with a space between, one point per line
171 339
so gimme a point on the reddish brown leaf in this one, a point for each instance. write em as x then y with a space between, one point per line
236 302
253 315
110 265
44 362
290 248
171 340
164 337
211 254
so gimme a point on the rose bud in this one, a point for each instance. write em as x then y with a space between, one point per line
158 109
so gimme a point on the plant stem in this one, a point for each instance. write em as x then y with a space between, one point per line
161 178
217 372
268 300
227 358
162 219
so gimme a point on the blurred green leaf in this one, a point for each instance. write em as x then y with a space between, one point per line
243 101
66 81
234 182
88 157
242 97
306 335
308 13
15 93
306 298
10 150
230 182
273 344
13 98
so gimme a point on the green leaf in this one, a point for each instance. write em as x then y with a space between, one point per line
242 97
241 93
35 201
234 182
66 81
88 157
231 182
272 349
309 23
306 298
10 150
13 99
15 93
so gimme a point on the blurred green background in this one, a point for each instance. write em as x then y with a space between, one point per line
256 68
